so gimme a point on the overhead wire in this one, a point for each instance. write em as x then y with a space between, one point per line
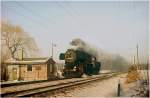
30 19
16 14
72 9
34 12
67 11
71 13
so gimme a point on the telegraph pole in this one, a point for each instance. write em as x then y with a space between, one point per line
134 60
22 53
137 54
147 72
52 49
138 67
53 45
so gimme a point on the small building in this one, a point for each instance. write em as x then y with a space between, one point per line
30 69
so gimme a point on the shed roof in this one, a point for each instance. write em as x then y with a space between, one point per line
30 61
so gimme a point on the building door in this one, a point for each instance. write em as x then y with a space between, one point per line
14 74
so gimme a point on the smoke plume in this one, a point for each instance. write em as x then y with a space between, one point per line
79 44
108 60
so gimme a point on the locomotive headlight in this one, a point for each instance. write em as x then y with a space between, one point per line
70 55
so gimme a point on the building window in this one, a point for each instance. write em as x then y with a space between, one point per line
29 67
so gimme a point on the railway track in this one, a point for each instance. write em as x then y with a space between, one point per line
52 87
26 82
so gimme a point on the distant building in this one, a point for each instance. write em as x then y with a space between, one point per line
30 69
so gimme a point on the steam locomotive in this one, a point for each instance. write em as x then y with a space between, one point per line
78 62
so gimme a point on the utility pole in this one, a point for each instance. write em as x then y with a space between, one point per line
53 45
139 67
52 49
22 53
137 57
20 65
147 72
134 60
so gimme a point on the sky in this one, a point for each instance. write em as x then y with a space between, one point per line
116 27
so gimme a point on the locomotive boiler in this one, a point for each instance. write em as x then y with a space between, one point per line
78 62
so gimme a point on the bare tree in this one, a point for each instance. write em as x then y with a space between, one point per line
13 37
10 37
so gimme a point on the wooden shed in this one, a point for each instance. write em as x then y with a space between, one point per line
30 69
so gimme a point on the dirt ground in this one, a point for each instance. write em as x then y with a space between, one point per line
102 88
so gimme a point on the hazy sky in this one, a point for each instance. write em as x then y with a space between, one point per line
115 27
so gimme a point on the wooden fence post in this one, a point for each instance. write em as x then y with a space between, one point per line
118 89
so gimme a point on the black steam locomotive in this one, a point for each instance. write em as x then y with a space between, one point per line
78 62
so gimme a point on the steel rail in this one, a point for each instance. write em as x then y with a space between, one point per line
29 92
9 84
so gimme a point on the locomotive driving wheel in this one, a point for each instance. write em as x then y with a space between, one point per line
75 72
79 70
